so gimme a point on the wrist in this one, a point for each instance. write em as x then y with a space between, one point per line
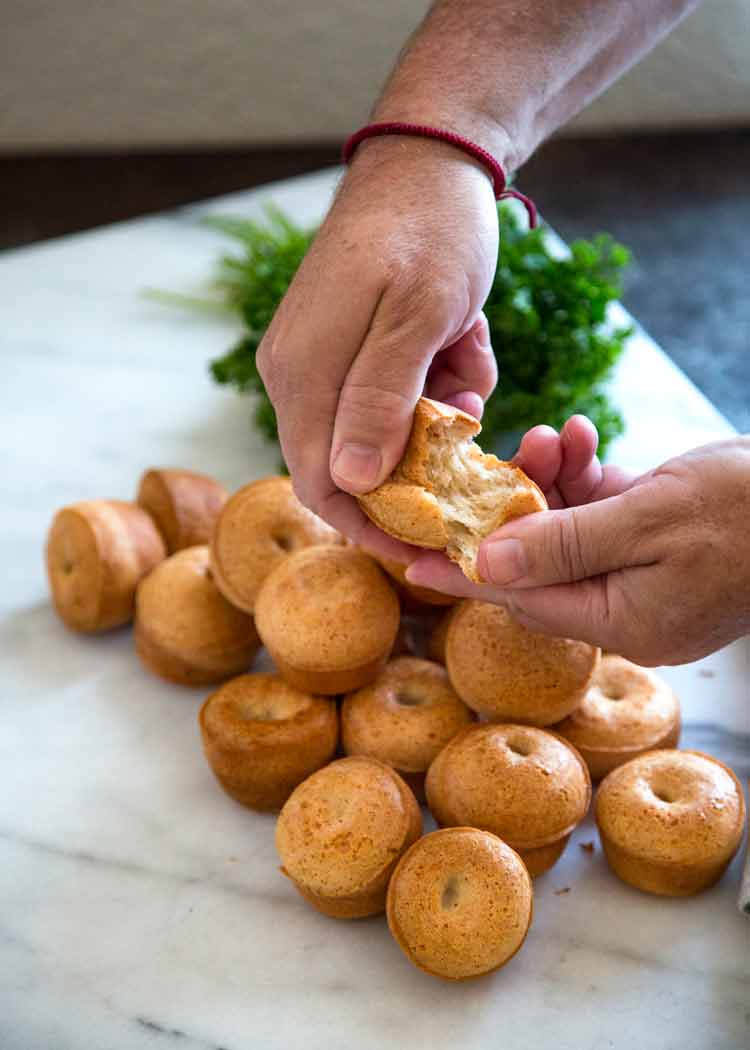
463 120
402 158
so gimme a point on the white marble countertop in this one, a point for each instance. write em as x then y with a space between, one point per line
139 907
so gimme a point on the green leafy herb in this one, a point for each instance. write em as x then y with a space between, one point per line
548 320
253 284
547 316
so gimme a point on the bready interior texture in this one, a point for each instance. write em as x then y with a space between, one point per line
473 490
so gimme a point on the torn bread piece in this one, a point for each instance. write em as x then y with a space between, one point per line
446 494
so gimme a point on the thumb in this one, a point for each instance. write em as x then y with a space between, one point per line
376 404
562 546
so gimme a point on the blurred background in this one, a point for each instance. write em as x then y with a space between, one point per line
114 109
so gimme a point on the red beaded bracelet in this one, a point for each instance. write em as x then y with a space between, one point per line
493 167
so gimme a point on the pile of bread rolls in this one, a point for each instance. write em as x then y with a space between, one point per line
500 731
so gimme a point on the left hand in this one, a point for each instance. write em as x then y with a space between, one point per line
386 306
656 568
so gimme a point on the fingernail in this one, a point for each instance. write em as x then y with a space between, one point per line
357 466
505 562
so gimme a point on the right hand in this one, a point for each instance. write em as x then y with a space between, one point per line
656 568
386 306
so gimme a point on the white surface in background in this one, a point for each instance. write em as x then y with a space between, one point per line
141 908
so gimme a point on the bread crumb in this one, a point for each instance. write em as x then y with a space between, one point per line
705 673
587 847
564 889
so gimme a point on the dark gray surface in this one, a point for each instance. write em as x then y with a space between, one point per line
682 204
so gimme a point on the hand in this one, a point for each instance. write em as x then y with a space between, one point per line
656 568
386 306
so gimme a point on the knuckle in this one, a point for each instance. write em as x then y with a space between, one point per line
678 501
268 369
575 545
489 375
421 298
563 548
372 407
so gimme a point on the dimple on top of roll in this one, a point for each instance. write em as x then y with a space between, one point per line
460 902
260 525
625 706
672 806
404 718
261 708
524 784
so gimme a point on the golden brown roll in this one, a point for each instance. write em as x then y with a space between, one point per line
670 821
97 551
404 718
460 903
626 710
510 674
262 738
259 526
527 785
328 617
341 833
185 629
184 505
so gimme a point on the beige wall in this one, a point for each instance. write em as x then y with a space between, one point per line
182 72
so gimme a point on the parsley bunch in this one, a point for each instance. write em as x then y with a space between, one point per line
547 318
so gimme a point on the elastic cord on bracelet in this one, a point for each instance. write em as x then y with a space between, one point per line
492 166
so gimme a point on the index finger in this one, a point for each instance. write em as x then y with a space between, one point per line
305 357
343 512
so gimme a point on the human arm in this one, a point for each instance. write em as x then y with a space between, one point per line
387 303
